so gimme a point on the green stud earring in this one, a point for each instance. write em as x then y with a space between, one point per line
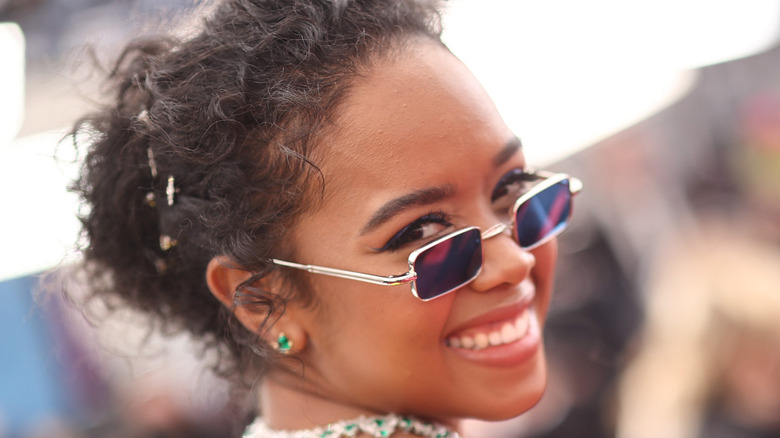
283 343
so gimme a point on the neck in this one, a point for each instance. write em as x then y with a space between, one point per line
286 404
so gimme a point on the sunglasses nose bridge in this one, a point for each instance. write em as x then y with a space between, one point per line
495 230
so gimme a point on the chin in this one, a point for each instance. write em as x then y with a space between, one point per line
514 399
528 393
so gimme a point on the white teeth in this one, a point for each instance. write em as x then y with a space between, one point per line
509 332
523 323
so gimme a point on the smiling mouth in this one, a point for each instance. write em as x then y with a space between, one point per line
493 334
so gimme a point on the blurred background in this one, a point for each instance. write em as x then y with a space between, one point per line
666 318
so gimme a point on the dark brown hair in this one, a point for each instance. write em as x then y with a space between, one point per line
231 114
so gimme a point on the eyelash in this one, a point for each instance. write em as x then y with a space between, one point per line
414 231
514 176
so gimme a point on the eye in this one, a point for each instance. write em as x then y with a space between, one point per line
510 187
422 228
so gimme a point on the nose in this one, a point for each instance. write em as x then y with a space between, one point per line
504 262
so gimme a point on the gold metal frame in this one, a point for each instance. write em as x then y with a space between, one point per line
549 180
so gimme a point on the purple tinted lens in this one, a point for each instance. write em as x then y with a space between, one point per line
545 214
448 264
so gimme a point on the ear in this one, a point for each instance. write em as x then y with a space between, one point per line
223 277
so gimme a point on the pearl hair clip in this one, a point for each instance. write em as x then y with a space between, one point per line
166 241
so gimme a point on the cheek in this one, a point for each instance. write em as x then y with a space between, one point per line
380 319
353 315
543 275
364 327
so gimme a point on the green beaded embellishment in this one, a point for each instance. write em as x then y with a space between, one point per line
378 427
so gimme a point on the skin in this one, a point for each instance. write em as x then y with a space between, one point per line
417 120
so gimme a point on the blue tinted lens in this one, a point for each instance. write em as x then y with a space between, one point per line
544 215
448 264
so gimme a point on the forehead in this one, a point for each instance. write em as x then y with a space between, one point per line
413 113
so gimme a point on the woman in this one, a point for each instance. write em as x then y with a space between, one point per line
340 138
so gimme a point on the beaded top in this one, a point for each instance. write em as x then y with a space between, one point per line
380 427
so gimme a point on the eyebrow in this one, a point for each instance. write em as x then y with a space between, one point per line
432 194
510 149
415 199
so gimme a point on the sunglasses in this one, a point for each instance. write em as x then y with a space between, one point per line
454 260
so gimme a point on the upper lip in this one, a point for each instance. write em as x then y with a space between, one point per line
503 313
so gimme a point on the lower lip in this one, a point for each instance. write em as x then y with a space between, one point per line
507 355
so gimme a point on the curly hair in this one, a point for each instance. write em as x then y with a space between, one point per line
228 119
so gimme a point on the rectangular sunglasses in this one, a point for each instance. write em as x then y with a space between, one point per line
454 260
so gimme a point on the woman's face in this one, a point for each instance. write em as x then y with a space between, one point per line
419 151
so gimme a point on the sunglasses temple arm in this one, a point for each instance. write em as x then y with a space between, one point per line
392 280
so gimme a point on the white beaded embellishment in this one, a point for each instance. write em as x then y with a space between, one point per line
380 427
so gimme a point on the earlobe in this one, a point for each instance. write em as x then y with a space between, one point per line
289 338
223 278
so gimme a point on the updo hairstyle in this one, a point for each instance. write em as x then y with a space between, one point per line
206 150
